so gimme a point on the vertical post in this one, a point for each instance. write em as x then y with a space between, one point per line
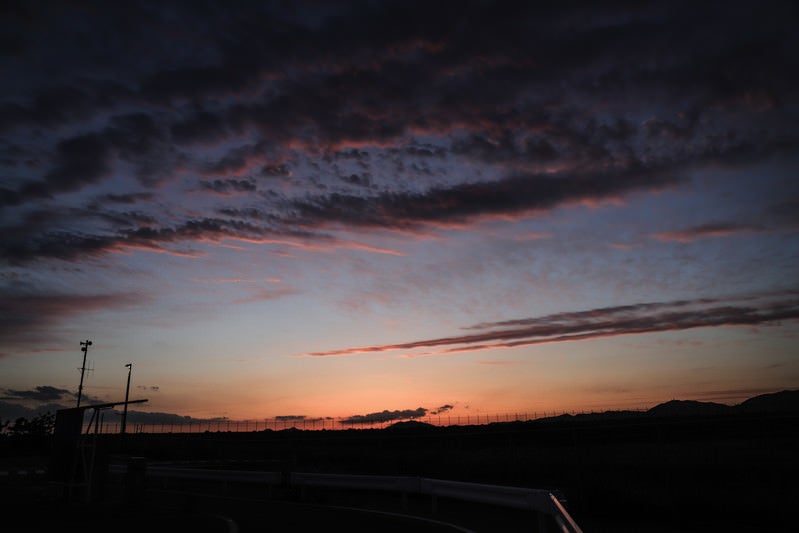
129 366
84 348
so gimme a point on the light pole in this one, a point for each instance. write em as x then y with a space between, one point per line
129 366
84 346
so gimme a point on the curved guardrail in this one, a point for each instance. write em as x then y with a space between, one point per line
541 501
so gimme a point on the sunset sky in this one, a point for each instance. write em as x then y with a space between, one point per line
339 208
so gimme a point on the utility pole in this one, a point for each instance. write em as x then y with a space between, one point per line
84 348
129 366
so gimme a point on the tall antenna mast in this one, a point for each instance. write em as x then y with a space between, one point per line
84 346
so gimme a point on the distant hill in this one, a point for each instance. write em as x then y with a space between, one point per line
410 425
689 407
776 402
603 415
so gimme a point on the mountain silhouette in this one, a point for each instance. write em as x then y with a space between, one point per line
689 407
775 402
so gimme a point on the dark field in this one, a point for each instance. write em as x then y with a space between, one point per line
689 473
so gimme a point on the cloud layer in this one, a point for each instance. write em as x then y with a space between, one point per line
598 323
299 120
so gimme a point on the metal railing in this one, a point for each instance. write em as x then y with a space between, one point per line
315 424
540 501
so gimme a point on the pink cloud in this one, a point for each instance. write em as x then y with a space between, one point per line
264 294
224 280
125 249
705 231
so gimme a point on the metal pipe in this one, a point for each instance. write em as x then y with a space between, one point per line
129 366
84 348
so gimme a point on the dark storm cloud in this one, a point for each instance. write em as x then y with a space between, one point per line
229 186
25 315
247 213
514 195
705 231
201 127
22 243
442 409
587 103
86 159
20 246
605 322
275 170
194 83
384 416
232 162
12 154
361 180
78 161
786 212
289 418
49 108
414 150
128 219
142 140
135 134
30 237
43 393
142 417
128 198
58 106
236 159
460 57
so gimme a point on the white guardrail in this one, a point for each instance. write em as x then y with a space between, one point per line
536 500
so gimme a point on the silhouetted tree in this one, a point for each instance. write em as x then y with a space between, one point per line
41 425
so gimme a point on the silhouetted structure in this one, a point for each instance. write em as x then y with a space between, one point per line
75 456
84 346
129 366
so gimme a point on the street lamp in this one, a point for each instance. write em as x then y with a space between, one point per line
84 346
129 366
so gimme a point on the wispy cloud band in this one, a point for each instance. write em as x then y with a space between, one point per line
600 323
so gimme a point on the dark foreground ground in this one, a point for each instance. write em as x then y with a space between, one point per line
215 516
656 474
